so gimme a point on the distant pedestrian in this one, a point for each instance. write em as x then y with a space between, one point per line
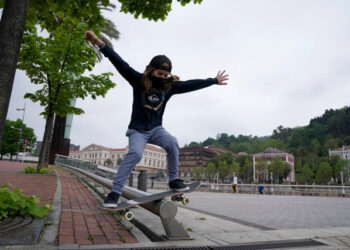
260 188
152 184
235 185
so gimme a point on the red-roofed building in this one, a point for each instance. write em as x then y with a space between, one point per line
268 155
153 160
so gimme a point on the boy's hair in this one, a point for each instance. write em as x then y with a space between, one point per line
147 81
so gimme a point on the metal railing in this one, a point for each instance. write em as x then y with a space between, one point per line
165 209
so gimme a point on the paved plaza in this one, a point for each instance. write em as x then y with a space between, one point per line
211 219
275 211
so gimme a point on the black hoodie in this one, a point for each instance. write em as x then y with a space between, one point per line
147 110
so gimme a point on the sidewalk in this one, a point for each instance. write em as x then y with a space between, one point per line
83 226
42 186
80 221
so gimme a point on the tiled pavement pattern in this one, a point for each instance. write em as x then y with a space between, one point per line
81 222
42 186
277 212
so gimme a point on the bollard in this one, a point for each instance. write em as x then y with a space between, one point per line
142 181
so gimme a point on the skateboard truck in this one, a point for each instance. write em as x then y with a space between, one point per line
128 215
179 197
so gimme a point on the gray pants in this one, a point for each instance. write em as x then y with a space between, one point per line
137 142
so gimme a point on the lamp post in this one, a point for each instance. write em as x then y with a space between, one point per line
20 134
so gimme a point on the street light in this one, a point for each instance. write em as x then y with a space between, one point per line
20 134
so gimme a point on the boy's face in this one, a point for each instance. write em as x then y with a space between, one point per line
160 73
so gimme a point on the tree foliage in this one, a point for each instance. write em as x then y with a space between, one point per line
309 145
11 138
279 169
151 9
58 64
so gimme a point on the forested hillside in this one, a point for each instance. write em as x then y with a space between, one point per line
309 144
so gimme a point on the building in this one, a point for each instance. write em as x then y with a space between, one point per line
190 158
219 150
74 147
153 159
269 154
343 152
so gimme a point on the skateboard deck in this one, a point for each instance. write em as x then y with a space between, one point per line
123 207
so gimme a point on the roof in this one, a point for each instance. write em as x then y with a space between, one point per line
118 149
197 149
271 150
343 148
74 151
154 147
219 150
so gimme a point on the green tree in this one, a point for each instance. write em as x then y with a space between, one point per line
198 172
11 138
108 162
323 173
57 64
247 171
119 161
262 170
210 170
49 14
46 13
11 29
279 169
305 176
223 169
337 164
281 134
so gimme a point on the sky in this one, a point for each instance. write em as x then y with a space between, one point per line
288 61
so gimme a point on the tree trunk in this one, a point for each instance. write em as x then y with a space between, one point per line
11 29
46 140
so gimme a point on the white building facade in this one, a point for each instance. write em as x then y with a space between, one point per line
268 155
343 152
153 159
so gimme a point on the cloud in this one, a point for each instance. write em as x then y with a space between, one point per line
288 61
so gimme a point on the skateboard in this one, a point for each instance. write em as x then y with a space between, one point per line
123 207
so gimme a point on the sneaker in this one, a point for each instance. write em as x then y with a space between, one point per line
111 200
178 185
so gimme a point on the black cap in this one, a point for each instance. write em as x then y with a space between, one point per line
157 62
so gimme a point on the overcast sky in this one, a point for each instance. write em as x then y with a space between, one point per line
288 62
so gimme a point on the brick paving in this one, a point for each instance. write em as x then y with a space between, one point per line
81 221
31 184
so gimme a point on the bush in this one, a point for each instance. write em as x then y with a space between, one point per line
29 170
45 171
15 203
32 170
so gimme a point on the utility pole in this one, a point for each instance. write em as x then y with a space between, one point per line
21 129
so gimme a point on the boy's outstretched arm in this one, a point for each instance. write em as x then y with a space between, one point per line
181 87
131 75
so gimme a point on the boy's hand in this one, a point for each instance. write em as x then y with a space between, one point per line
92 38
222 78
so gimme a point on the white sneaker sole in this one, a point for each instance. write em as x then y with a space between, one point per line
180 189
109 205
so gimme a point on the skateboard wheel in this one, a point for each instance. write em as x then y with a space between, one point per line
120 213
185 200
173 198
128 215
